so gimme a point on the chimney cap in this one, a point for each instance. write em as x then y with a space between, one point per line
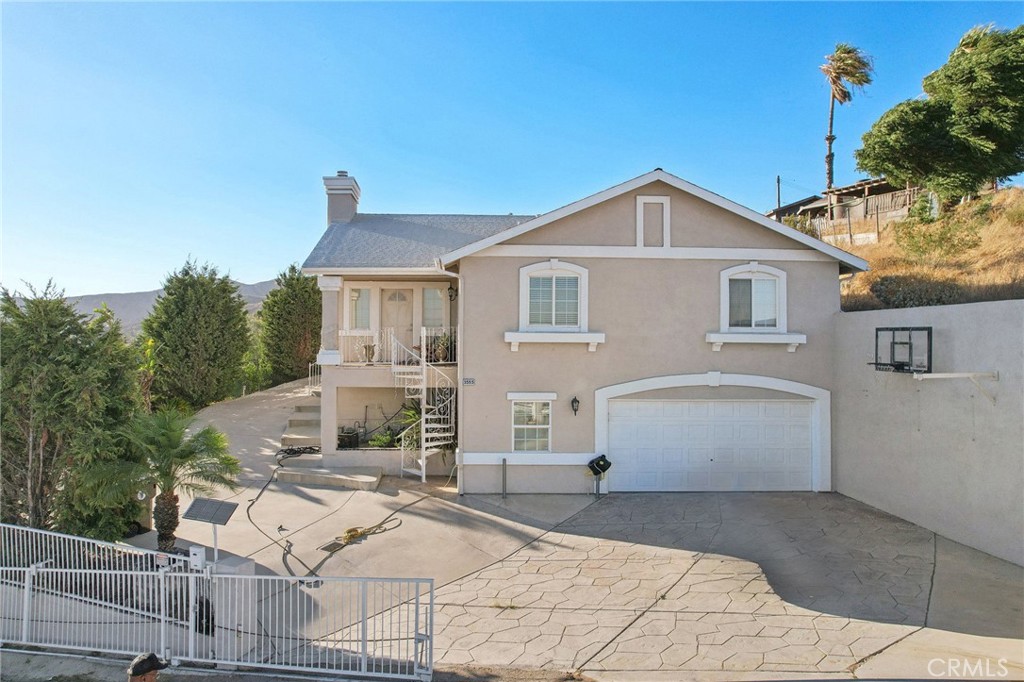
342 174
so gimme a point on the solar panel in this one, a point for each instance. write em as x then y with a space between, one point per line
210 510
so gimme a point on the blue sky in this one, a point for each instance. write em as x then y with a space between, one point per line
136 136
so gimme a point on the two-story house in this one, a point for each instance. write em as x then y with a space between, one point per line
685 337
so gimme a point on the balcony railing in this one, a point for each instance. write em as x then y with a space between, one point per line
365 346
438 345
435 345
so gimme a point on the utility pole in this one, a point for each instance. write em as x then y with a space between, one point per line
778 192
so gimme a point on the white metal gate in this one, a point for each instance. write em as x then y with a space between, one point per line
378 627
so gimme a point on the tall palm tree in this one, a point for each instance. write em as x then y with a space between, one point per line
173 461
845 67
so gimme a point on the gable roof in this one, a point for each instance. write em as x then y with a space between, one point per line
374 240
848 260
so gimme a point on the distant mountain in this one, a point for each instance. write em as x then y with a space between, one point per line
132 308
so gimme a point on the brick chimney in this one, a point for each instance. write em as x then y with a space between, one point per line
342 197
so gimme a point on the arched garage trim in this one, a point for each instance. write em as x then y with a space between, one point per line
821 411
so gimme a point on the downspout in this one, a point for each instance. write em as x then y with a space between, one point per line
458 371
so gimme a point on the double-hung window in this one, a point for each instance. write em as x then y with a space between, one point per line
753 308
359 309
552 297
753 303
555 300
753 299
531 425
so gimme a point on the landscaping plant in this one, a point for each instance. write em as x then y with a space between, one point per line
291 325
68 385
200 335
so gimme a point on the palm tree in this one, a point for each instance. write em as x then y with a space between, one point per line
172 461
845 67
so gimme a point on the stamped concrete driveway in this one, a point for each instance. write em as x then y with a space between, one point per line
666 585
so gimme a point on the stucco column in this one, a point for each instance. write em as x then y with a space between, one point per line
330 286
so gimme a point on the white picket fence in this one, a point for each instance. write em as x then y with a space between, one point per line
373 627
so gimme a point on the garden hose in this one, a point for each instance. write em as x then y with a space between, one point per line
358 532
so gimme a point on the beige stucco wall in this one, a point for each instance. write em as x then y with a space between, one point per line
528 479
937 452
694 223
655 314
369 404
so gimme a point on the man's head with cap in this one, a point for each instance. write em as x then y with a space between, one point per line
144 667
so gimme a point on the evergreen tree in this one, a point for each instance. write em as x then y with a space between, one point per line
291 325
68 386
200 334
967 131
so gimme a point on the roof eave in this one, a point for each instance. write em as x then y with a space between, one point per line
847 259
369 270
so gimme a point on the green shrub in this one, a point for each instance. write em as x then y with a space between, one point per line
382 439
801 223
911 291
942 238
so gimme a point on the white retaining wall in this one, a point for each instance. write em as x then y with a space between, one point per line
937 452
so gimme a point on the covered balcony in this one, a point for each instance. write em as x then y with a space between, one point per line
392 346
388 323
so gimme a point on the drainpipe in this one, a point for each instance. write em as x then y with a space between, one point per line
458 370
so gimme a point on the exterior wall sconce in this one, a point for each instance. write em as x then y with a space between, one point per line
575 405
453 293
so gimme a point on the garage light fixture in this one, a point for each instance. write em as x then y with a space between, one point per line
575 405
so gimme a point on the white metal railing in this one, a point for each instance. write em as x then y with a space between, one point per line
376 627
434 390
24 547
438 344
365 346
314 380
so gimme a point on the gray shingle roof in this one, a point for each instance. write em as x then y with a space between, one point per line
392 240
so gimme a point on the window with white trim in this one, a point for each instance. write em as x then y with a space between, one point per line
753 299
434 301
359 309
553 297
531 426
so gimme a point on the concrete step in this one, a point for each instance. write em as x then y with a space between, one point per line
303 419
353 478
301 435
307 407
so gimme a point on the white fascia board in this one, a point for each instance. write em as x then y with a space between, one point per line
371 272
653 252
717 200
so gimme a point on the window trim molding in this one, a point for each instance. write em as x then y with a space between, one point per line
550 425
666 213
754 268
553 267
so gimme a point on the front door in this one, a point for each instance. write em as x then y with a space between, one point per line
396 313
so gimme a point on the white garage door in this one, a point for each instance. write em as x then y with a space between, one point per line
709 445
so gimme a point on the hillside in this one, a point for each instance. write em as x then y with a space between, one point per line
983 241
132 308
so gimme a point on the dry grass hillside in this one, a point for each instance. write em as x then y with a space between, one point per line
975 253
